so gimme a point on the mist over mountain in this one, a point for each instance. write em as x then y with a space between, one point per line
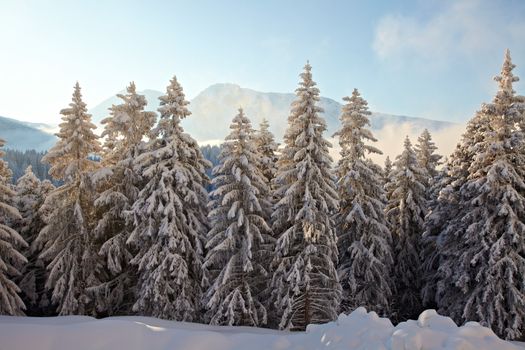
21 135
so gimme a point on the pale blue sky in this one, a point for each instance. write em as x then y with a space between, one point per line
433 59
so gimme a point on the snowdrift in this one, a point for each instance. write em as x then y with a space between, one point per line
359 330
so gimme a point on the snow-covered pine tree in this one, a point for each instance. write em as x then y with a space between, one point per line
45 306
440 210
67 238
30 196
267 147
490 259
443 223
11 242
428 160
237 262
170 217
118 185
387 169
406 210
26 201
426 155
364 240
305 286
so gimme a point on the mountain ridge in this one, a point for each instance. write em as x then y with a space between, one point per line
218 104
21 135
212 111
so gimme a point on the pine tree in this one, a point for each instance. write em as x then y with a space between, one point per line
305 285
490 257
67 238
406 210
170 217
443 223
364 240
30 196
426 157
118 185
26 200
440 209
267 147
11 242
387 170
237 263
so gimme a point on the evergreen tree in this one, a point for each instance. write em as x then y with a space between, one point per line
444 220
387 170
26 200
30 196
237 263
426 157
364 240
170 217
118 185
490 257
67 238
305 285
267 147
18 162
406 210
11 242
440 209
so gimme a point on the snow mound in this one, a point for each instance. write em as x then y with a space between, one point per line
360 330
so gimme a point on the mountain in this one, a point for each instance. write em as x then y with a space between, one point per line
21 135
218 104
213 109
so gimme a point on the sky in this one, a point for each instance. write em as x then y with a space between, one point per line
426 58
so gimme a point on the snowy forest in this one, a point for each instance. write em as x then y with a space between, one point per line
135 220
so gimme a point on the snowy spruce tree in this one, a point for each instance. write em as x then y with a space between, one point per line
305 287
489 260
11 243
441 207
267 147
387 169
118 185
238 255
406 210
444 219
364 240
426 155
67 238
30 196
170 217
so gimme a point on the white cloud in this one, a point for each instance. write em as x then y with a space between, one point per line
391 137
467 27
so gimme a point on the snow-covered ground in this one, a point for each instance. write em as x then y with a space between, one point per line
359 330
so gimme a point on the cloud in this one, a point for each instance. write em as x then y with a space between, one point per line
466 27
391 137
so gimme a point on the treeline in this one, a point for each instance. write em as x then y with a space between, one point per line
18 161
284 238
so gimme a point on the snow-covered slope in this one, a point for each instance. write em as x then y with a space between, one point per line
23 135
360 330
